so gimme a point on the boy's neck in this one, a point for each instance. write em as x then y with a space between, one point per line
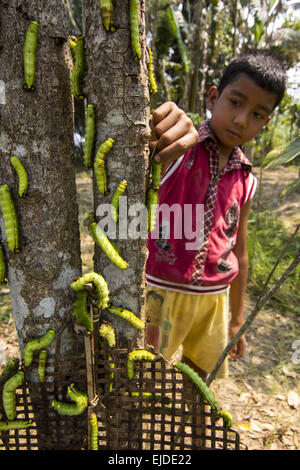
223 159
224 153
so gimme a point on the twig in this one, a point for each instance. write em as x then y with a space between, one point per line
261 301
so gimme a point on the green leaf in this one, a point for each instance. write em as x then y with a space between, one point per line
283 155
183 50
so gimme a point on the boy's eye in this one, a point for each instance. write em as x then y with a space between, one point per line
258 115
234 102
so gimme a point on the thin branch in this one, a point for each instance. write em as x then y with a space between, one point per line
261 301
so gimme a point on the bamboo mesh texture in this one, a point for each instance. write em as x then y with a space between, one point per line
164 421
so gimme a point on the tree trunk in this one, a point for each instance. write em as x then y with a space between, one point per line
37 126
116 85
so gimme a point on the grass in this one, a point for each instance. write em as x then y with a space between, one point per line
272 236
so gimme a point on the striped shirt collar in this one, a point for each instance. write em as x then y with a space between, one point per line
237 159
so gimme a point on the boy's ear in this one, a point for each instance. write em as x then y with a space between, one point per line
268 120
213 95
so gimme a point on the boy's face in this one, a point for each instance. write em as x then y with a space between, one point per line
239 112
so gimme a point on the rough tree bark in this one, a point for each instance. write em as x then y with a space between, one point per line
37 127
117 86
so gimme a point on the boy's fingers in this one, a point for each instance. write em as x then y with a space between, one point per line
176 149
173 133
173 118
162 111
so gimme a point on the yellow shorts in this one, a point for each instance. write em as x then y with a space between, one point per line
197 322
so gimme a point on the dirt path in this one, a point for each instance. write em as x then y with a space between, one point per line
262 391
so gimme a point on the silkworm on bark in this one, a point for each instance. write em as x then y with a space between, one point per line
9 394
42 365
35 344
114 203
80 311
78 404
29 53
156 173
137 355
99 165
89 138
198 383
98 282
107 10
9 218
128 316
72 43
134 28
78 69
102 240
21 173
151 76
152 203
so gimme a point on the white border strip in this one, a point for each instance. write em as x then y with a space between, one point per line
251 187
171 168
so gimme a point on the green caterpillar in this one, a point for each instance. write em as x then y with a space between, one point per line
228 419
9 394
80 310
112 374
102 240
100 285
114 204
198 383
29 52
151 76
107 332
89 138
42 365
36 344
2 266
107 9
78 69
138 394
134 28
137 355
78 404
15 424
127 315
94 431
10 218
152 202
22 175
99 165
156 173
72 43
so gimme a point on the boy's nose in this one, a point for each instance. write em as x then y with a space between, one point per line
240 119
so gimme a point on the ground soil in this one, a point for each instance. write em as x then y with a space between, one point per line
262 391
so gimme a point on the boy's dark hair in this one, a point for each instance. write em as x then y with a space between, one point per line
260 65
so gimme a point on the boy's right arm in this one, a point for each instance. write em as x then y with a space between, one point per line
173 133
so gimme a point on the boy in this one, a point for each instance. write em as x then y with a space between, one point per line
187 289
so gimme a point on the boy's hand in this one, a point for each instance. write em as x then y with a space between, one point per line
173 133
239 349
